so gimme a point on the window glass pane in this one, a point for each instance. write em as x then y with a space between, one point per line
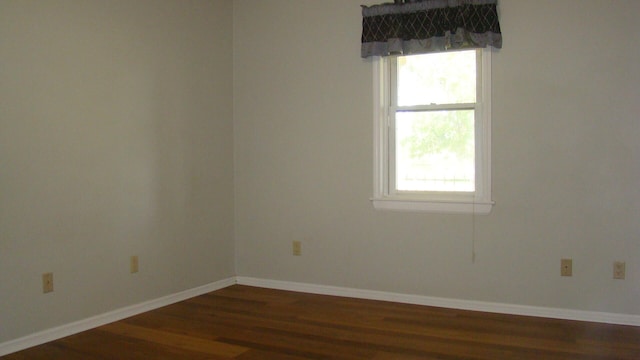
435 151
441 78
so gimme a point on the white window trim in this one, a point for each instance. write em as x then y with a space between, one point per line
478 202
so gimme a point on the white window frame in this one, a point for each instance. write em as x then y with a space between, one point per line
384 196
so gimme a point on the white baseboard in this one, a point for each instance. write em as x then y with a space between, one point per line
119 314
554 313
106 318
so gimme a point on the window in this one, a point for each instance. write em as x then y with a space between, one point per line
433 132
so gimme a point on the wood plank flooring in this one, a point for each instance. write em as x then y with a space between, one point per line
241 322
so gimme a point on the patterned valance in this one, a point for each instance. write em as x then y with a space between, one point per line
423 26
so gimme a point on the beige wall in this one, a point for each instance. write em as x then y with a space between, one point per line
115 140
566 160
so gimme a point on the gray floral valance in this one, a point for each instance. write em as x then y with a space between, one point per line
423 26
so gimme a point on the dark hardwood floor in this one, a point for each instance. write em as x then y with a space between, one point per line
241 322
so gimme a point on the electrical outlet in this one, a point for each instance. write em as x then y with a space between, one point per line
297 248
47 282
619 270
566 267
133 265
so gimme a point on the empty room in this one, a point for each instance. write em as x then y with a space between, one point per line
319 179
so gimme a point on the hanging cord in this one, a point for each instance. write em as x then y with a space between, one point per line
473 234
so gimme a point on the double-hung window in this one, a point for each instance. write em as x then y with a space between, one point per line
433 132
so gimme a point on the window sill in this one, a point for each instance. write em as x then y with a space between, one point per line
444 207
